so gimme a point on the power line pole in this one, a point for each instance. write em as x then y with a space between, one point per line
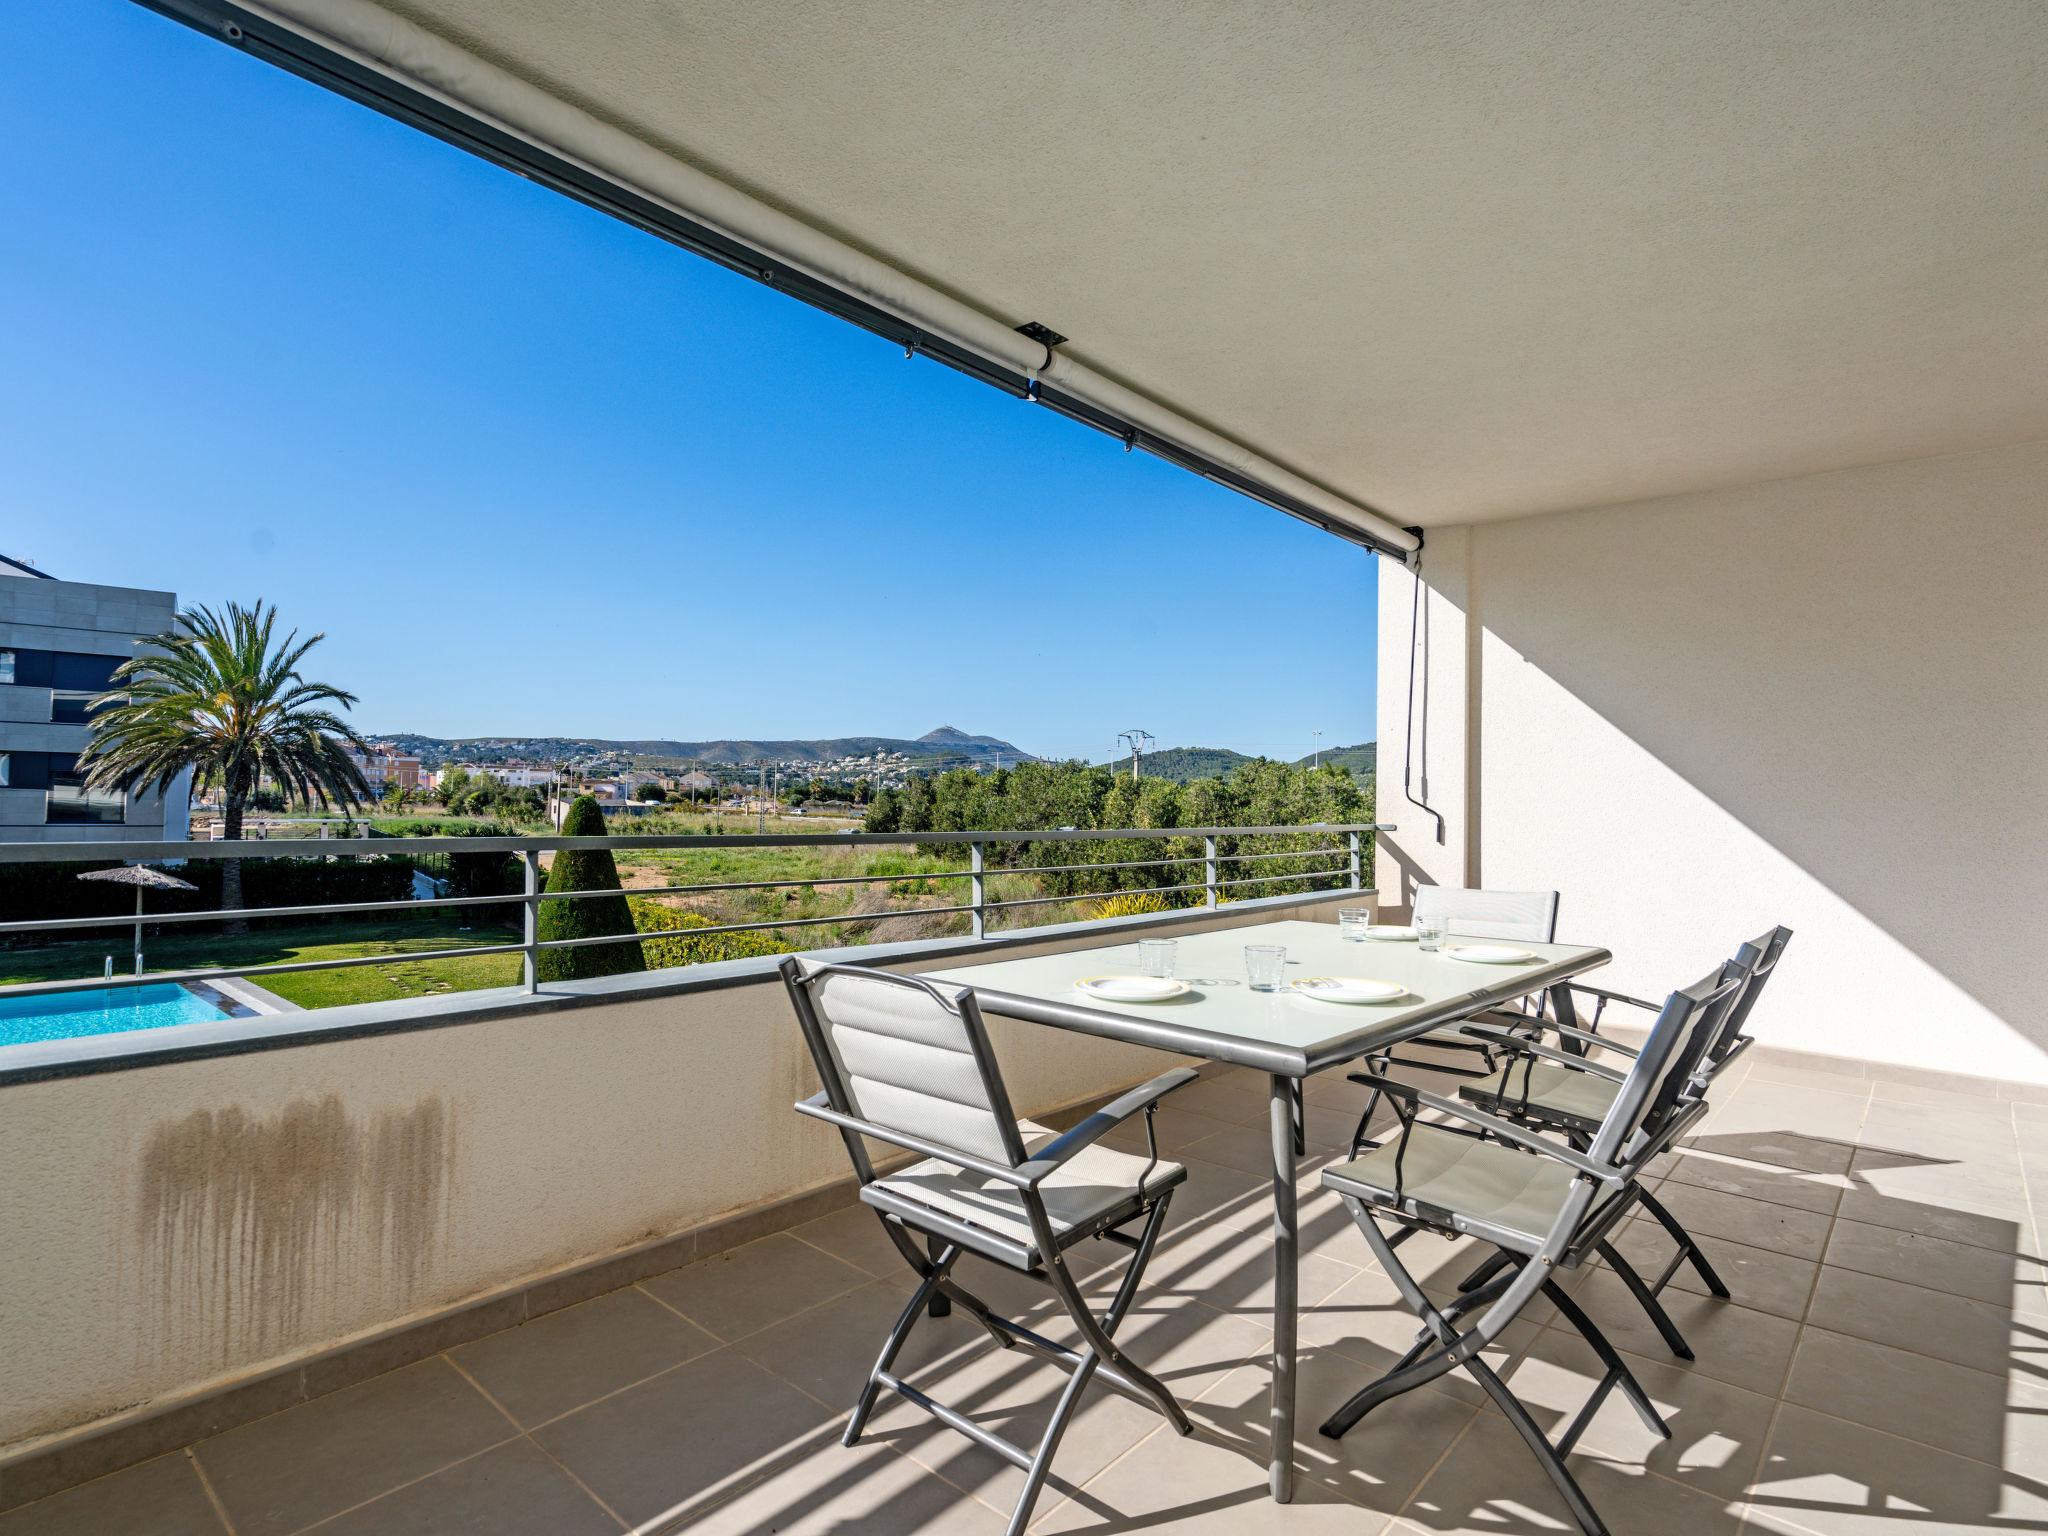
1319 749
761 797
1140 742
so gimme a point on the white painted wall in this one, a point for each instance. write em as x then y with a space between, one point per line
1820 701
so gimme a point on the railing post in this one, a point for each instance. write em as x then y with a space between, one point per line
1357 864
1208 871
529 910
978 889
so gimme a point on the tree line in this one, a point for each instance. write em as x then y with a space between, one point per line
1039 796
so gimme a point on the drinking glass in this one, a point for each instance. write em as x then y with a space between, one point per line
1263 965
1352 923
1429 934
1155 958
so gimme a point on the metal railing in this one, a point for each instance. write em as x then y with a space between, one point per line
1214 885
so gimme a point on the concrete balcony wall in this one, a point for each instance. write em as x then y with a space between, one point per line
1816 701
178 1228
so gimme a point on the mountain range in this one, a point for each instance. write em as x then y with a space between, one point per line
1182 764
946 746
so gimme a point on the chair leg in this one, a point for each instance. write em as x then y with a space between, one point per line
942 1261
1453 1349
1617 1375
1686 1245
1647 1298
1486 1270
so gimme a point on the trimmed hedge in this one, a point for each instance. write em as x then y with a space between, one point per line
32 891
651 916
586 869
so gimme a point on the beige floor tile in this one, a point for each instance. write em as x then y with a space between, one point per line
515 1490
1820 1192
568 1358
1831 1478
870 1490
1758 1223
284 1472
1933 1262
1231 1270
828 1352
1757 1278
732 1294
1962 1331
1880 1200
1380 1463
1177 1125
1490 1485
1365 1325
1231 1102
1717 1431
1788 1127
855 1236
156 1498
1202 1485
674 1446
1732 1343
1946 1406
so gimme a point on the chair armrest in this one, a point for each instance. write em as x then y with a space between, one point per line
1615 997
819 1108
1506 1130
1102 1122
1527 1046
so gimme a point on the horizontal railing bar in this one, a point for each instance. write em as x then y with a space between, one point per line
1072 869
1296 853
779 922
222 914
403 847
1143 890
228 973
1305 874
756 885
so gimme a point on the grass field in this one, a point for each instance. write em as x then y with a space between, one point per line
275 946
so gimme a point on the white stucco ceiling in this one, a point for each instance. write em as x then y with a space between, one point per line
1458 261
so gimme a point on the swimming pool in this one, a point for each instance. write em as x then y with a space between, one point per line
108 1011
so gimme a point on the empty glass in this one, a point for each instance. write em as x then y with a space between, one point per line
1429 934
1352 923
1155 958
1263 965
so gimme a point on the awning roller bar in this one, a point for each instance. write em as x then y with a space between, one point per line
358 48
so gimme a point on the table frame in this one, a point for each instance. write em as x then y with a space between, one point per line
1287 1069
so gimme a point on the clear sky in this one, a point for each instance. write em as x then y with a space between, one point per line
535 472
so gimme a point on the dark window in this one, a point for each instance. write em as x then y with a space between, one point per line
32 669
71 708
28 770
71 801
83 674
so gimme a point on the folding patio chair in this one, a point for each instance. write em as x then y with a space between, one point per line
1541 1204
1570 1093
1530 916
909 1064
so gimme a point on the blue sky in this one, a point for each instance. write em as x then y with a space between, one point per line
535 472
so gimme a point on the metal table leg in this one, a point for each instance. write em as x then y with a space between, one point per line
1286 1287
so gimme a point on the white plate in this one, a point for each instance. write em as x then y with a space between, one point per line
1388 933
1490 954
1132 989
1346 989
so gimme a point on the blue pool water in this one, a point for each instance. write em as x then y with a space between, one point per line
102 1011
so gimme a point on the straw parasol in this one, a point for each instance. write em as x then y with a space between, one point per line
145 880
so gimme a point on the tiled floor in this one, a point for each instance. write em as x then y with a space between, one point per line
1880 1370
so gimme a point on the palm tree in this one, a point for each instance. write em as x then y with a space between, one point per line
217 696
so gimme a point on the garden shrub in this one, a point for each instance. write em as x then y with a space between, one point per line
30 891
684 949
586 869
1131 904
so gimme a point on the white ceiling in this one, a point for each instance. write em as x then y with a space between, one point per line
1456 261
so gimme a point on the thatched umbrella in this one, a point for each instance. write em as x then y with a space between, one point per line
144 880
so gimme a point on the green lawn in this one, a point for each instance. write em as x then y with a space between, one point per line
275 946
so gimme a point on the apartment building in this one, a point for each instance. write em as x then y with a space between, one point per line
59 644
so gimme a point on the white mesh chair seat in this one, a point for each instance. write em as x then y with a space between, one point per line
1551 1091
1494 1192
1096 1181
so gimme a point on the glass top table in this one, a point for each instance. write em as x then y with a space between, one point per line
1286 1036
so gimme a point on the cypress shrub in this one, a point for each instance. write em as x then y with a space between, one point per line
586 869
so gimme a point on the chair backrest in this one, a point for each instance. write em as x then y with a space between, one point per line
1761 956
1527 915
906 1056
1659 1087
